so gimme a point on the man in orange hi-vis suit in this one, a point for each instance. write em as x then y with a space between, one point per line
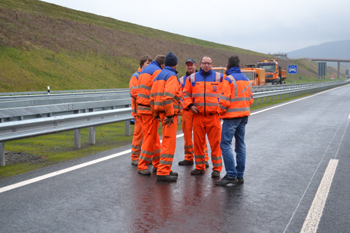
201 96
150 150
138 135
187 120
166 105
235 101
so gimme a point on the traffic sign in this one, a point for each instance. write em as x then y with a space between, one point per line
292 69
332 76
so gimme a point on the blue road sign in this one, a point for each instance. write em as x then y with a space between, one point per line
292 69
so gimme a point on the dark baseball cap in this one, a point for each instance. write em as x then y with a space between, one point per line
190 59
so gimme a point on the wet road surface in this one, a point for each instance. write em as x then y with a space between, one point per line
288 151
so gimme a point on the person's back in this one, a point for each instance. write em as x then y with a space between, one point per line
145 82
238 87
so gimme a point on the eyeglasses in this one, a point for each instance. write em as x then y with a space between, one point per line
206 64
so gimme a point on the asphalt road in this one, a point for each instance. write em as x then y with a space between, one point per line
297 180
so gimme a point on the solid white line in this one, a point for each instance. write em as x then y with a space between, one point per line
43 177
30 181
315 213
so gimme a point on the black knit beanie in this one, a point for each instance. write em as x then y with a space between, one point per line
170 59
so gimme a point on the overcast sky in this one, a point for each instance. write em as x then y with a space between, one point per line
262 26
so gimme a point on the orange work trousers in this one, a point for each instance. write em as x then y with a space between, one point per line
187 127
168 146
150 150
209 125
136 139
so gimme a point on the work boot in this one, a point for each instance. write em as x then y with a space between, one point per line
215 174
240 180
226 180
135 163
168 178
196 172
145 172
206 164
185 162
173 174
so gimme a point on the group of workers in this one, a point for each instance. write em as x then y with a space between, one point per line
203 98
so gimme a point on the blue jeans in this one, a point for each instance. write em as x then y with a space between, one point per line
234 127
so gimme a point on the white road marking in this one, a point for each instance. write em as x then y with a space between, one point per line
43 177
315 213
30 181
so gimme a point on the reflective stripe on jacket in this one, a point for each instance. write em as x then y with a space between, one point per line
133 87
236 96
202 89
166 93
146 78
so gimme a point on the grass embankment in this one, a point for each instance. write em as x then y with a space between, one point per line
54 148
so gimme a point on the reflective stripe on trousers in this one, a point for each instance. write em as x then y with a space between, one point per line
168 146
187 127
210 126
151 144
137 139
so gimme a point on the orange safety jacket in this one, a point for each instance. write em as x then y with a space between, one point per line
202 89
182 81
133 87
146 78
166 93
236 96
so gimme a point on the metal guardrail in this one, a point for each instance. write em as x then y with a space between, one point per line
25 117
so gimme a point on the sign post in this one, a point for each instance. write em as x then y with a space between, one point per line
292 69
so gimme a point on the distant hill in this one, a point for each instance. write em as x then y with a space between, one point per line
335 50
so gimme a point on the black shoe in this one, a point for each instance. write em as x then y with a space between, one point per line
173 174
185 162
135 163
206 164
145 172
196 172
168 178
240 180
226 180
215 174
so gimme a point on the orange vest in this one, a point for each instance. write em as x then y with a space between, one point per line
133 87
166 93
203 91
145 83
236 97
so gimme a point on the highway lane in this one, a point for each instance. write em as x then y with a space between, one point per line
288 150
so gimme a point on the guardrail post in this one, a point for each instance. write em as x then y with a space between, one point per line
127 128
77 139
92 138
127 125
2 154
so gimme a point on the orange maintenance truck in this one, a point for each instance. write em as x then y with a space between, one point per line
255 75
273 72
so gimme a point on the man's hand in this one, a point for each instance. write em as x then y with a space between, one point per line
168 121
157 117
194 109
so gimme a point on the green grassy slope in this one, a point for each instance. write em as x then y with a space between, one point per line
43 44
